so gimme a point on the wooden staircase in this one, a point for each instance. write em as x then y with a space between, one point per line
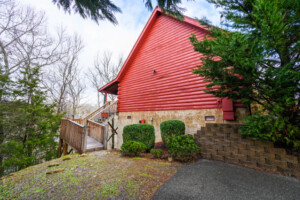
89 133
105 114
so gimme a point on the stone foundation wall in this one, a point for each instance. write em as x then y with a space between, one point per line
225 143
193 119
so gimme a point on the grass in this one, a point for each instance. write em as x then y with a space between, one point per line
111 189
92 177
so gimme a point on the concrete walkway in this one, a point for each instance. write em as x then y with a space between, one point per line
210 180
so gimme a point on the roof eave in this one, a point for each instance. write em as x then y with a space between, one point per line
107 87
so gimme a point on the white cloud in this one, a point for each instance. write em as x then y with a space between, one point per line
201 8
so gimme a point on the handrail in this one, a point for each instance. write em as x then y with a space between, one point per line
75 122
111 108
74 134
98 109
97 123
79 121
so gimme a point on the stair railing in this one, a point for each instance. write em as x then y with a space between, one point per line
106 112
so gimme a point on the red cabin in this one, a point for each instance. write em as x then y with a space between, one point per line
156 82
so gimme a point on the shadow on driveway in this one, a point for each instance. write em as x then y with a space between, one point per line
209 180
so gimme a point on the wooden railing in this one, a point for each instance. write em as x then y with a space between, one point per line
97 131
110 110
74 134
94 113
79 121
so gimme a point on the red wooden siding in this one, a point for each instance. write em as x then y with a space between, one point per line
167 50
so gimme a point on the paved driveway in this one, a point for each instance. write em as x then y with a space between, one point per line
216 180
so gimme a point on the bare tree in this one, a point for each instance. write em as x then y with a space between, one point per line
24 40
96 83
60 77
104 71
76 90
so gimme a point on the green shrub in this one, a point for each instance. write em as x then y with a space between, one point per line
157 153
277 130
133 148
141 133
171 128
183 148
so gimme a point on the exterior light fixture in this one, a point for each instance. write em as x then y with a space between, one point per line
154 72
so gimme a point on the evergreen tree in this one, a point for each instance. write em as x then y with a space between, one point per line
5 94
106 9
257 61
29 124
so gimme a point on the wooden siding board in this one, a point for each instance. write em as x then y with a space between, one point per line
166 49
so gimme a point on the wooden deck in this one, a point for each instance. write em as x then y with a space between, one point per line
93 145
80 138
87 134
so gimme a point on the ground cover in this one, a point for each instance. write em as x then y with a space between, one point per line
99 175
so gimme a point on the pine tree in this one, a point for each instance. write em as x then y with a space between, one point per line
30 125
106 9
256 60
5 94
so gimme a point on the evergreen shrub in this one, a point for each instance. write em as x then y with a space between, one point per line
171 128
141 133
133 148
183 148
157 153
268 128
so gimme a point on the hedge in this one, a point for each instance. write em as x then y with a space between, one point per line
133 148
171 128
143 133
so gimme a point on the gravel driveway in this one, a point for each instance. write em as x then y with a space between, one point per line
210 180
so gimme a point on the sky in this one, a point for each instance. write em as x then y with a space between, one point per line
104 36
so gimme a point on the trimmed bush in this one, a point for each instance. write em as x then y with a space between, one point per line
183 148
143 133
157 153
133 148
171 128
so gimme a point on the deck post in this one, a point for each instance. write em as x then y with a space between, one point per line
84 138
113 134
59 147
105 129
65 148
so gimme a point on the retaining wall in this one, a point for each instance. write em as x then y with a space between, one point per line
224 142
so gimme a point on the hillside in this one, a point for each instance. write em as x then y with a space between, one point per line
99 175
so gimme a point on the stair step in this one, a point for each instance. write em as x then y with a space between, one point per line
93 145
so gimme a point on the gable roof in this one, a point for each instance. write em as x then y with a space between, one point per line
112 86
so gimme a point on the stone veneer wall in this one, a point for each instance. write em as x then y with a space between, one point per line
193 119
225 143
